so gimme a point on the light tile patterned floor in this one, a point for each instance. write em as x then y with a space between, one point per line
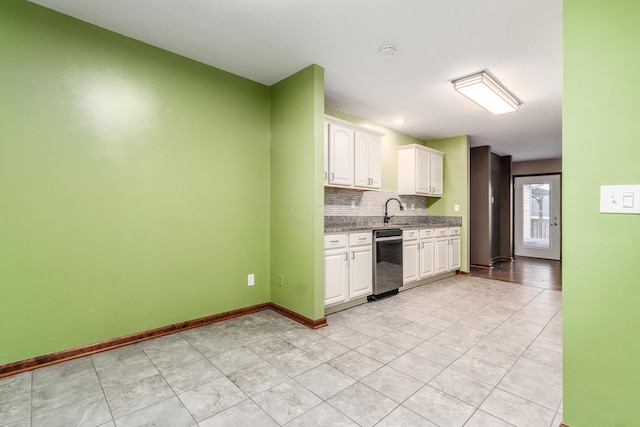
462 351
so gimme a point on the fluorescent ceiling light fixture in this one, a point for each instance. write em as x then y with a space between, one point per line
487 93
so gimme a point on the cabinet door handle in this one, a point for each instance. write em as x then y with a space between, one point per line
346 256
325 176
353 255
333 176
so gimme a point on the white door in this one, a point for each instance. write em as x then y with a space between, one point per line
336 276
441 258
326 153
423 172
361 171
340 155
375 161
361 271
436 174
537 216
426 258
454 253
367 160
410 261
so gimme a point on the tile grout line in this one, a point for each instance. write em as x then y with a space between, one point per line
104 395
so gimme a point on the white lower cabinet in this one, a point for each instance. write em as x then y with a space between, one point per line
348 267
429 252
360 271
336 269
454 248
447 249
441 252
427 248
410 256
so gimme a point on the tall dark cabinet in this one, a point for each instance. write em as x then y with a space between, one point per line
490 232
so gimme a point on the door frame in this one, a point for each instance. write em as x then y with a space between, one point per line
515 222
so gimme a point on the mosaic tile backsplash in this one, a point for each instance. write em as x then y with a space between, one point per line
347 209
347 202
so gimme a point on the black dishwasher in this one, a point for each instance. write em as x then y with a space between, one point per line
387 262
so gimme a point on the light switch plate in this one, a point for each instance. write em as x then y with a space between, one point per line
623 199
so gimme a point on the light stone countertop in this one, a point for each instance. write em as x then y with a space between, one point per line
345 224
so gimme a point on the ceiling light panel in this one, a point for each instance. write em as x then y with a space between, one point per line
487 93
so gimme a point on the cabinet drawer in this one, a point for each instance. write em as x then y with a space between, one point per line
356 239
427 233
441 232
410 234
454 231
335 241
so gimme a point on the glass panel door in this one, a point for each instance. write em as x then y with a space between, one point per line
537 216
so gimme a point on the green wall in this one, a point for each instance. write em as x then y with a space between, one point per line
601 145
391 140
134 185
297 192
456 188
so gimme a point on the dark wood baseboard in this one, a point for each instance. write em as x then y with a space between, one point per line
563 425
488 267
313 324
74 353
463 273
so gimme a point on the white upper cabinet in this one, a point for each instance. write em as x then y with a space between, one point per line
420 171
367 160
437 161
423 172
340 153
352 155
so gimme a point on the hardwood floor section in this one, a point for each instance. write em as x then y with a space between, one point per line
541 273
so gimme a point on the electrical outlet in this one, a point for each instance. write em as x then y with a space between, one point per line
353 204
456 208
280 280
251 280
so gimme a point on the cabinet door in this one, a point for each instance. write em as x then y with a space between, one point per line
436 175
454 253
336 276
326 153
410 261
427 257
441 262
375 161
367 161
361 272
423 172
340 155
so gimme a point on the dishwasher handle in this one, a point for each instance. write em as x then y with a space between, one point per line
389 239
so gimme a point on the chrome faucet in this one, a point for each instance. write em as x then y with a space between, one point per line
386 215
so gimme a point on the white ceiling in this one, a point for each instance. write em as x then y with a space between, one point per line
517 41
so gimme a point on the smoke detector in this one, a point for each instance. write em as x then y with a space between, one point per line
387 52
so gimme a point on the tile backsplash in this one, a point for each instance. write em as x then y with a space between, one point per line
348 202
